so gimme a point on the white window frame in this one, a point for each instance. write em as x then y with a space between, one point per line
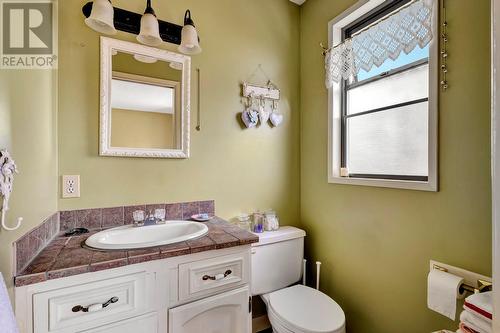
335 27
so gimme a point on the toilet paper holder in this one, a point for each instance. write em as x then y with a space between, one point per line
482 285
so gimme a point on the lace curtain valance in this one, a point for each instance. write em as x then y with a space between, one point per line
401 31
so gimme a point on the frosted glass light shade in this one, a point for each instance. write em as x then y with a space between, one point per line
101 17
189 40
150 30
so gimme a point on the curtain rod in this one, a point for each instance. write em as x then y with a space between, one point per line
326 50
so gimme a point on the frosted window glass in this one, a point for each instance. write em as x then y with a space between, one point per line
410 85
390 142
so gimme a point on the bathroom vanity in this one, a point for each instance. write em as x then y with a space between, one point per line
200 285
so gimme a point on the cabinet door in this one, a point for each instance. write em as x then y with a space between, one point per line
144 324
224 313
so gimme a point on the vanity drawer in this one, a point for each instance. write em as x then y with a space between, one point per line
213 275
61 310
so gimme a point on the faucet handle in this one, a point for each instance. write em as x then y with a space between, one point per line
160 214
139 218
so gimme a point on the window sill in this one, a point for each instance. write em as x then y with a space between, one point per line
430 185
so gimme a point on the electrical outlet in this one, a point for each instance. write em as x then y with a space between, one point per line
71 186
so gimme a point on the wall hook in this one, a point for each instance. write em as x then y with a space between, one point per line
7 170
4 225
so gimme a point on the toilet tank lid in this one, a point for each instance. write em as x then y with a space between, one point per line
283 234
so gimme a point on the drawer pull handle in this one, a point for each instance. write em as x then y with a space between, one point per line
94 307
218 276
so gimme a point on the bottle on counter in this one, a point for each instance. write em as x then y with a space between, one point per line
258 222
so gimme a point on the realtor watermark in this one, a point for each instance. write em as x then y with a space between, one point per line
29 34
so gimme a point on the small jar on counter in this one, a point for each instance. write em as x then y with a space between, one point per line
244 222
258 222
271 221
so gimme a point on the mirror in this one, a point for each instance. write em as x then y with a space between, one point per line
144 101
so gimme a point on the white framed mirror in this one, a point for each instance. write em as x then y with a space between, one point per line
145 101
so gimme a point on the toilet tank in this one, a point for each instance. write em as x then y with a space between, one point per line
277 259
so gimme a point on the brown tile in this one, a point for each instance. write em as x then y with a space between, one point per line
25 280
43 261
230 229
99 256
246 237
141 252
189 209
67 220
214 227
59 242
174 250
141 259
41 232
223 239
128 216
204 243
75 242
61 273
207 207
151 208
54 225
89 218
143 255
35 244
23 254
101 266
218 220
173 211
72 257
112 217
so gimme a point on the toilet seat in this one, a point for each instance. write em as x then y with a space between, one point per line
301 309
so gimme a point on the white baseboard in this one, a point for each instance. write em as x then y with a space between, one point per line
260 323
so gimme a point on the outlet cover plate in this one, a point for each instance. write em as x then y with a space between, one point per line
71 186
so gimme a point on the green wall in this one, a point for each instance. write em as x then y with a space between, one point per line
375 244
28 130
243 170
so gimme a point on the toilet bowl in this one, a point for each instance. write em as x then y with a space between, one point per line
291 308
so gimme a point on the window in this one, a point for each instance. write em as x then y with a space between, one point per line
383 122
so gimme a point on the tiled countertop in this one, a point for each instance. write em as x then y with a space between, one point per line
65 256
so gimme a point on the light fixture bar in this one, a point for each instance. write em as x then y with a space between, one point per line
130 22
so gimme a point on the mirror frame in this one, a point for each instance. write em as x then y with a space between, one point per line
105 148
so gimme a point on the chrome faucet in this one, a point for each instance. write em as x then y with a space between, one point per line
150 219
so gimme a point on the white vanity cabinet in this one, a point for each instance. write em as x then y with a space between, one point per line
228 312
202 292
144 324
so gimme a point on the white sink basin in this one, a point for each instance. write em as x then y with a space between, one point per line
130 237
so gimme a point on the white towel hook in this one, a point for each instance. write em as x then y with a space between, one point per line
7 170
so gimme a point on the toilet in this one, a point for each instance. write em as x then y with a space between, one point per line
291 307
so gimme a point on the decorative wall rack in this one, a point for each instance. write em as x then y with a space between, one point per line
256 97
130 22
266 92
